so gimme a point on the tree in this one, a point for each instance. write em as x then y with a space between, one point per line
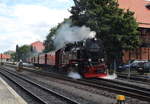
49 43
22 52
13 56
116 27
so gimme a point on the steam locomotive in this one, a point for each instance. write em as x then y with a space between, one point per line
85 57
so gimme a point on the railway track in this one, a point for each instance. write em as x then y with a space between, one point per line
36 90
110 85
145 82
125 88
121 76
139 79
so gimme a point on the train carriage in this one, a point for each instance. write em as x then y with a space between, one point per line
51 59
42 59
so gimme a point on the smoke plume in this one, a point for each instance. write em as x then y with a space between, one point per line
69 34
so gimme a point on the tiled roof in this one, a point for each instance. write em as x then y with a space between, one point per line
142 13
4 56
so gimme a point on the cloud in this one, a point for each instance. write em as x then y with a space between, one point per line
32 14
23 24
63 0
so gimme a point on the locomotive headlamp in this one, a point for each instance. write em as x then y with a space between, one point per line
89 60
95 39
76 64
102 59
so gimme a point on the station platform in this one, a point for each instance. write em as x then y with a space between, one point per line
8 95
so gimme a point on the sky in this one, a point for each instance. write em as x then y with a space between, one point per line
25 21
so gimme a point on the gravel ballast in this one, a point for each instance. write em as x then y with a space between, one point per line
82 93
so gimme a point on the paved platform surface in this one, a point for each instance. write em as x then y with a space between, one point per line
8 95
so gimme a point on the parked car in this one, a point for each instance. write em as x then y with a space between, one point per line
132 64
144 68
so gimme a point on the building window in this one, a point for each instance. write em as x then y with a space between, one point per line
147 6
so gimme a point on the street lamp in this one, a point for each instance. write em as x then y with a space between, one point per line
115 66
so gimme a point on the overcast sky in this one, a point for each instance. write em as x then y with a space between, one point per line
25 21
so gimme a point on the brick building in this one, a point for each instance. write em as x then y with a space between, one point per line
37 46
142 15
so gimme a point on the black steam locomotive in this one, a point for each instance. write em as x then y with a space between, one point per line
85 57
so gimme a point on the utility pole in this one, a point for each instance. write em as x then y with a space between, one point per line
129 70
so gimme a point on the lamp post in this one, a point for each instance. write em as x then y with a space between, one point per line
115 66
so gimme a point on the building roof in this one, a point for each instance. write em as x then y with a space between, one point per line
38 46
5 56
142 13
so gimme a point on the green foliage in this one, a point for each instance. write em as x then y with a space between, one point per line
49 43
22 52
116 27
13 56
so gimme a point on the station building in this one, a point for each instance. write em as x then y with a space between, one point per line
37 46
141 8
4 57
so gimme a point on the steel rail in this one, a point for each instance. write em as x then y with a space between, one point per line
115 82
127 90
134 78
67 99
122 88
26 90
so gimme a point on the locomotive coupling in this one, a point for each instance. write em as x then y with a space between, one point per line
120 99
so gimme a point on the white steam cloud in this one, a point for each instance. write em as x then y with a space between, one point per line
70 34
74 75
113 76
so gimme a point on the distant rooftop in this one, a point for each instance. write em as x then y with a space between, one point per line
5 56
141 9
